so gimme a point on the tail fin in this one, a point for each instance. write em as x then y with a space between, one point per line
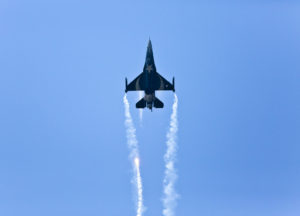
141 104
158 103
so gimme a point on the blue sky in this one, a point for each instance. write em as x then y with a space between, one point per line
62 137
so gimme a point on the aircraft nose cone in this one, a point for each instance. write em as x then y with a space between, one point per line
149 44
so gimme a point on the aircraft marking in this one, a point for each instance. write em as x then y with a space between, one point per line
149 68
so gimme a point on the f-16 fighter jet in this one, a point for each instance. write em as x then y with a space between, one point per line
149 81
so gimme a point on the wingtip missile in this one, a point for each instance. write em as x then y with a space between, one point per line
173 83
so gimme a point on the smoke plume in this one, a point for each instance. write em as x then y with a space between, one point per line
134 157
170 196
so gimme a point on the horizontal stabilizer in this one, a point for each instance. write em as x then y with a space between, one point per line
158 103
141 104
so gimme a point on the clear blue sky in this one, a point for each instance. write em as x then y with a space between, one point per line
62 137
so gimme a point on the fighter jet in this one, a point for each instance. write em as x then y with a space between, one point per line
149 81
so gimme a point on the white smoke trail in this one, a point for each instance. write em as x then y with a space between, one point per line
139 187
140 110
134 157
170 195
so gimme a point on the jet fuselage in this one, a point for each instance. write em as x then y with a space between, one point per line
149 81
